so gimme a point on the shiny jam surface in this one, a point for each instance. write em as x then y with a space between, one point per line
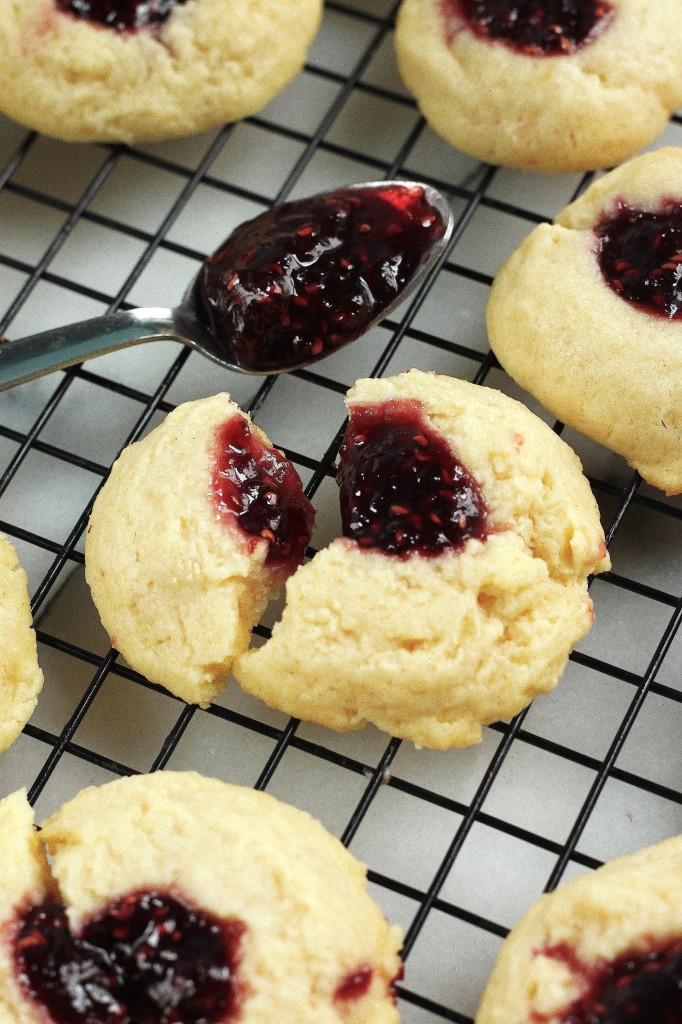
121 15
640 257
259 487
637 988
401 488
148 959
308 276
539 28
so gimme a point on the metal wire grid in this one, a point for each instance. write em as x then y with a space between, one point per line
581 776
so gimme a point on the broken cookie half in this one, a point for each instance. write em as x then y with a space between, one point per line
195 529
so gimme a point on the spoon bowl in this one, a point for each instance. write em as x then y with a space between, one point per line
272 298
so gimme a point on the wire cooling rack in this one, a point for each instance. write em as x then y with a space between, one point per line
458 843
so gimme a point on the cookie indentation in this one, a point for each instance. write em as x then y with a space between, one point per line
543 28
640 256
121 15
298 283
636 988
402 490
149 957
258 487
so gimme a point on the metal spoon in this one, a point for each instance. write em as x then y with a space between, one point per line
26 358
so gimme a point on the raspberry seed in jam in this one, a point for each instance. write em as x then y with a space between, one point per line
640 257
538 28
305 278
148 958
259 488
121 15
402 490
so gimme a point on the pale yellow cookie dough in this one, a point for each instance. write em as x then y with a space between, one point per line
432 649
25 880
628 905
21 679
177 587
230 851
208 63
604 367
580 111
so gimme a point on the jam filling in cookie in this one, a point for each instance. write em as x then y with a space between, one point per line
148 958
259 487
121 15
640 256
355 985
299 282
637 988
539 28
401 488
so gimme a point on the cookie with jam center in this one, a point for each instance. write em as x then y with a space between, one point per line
174 897
135 70
195 529
459 586
21 678
604 948
586 315
543 85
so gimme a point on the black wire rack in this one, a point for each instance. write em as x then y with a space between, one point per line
458 843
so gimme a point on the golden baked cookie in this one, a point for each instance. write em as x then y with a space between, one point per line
586 315
604 948
173 897
459 587
195 529
128 70
554 86
21 679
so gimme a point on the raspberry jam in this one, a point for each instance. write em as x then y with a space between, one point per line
355 985
637 988
148 958
121 15
307 277
640 256
539 28
259 487
402 489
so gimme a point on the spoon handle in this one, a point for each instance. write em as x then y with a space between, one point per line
30 357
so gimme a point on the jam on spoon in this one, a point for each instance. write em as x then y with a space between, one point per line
640 256
307 277
121 15
402 490
149 957
538 28
311 295
258 487
639 987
